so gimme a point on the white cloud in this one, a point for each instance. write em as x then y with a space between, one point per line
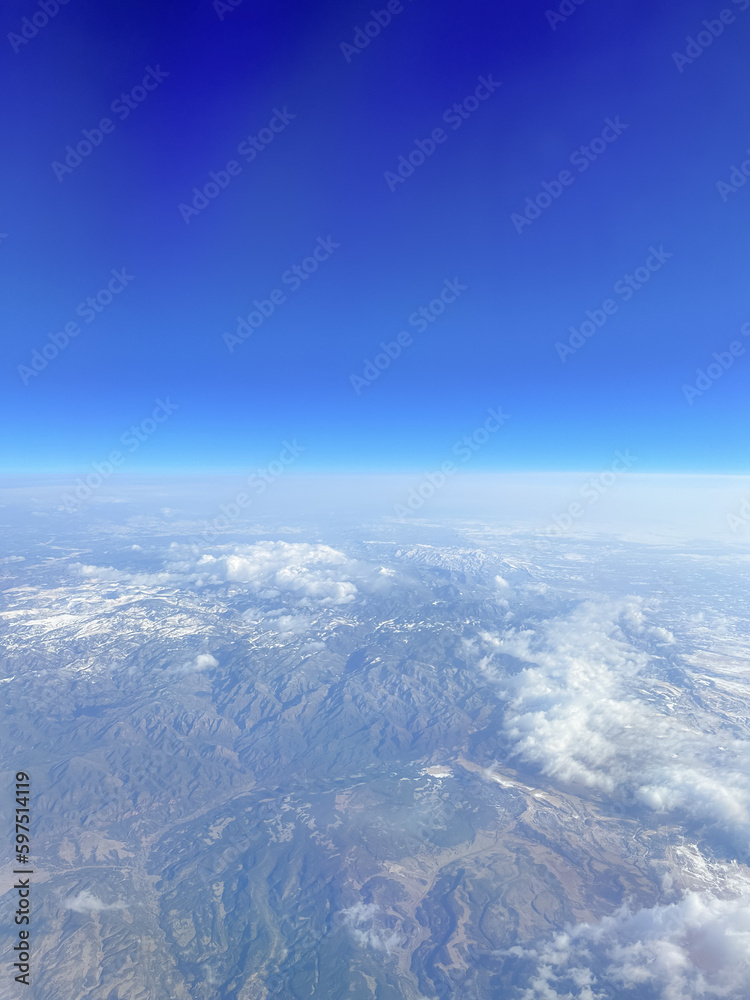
317 573
585 709
309 574
362 920
87 902
287 624
201 662
695 949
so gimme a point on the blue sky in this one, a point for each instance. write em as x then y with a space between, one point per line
331 126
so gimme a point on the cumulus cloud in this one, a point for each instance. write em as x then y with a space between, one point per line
587 709
287 624
364 920
695 949
317 573
309 574
87 902
201 662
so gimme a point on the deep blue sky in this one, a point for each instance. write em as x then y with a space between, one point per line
323 176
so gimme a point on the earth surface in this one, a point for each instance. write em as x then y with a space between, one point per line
374 758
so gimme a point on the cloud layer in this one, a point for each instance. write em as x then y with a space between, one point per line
589 708
694 949
87 902
299 571
364 921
